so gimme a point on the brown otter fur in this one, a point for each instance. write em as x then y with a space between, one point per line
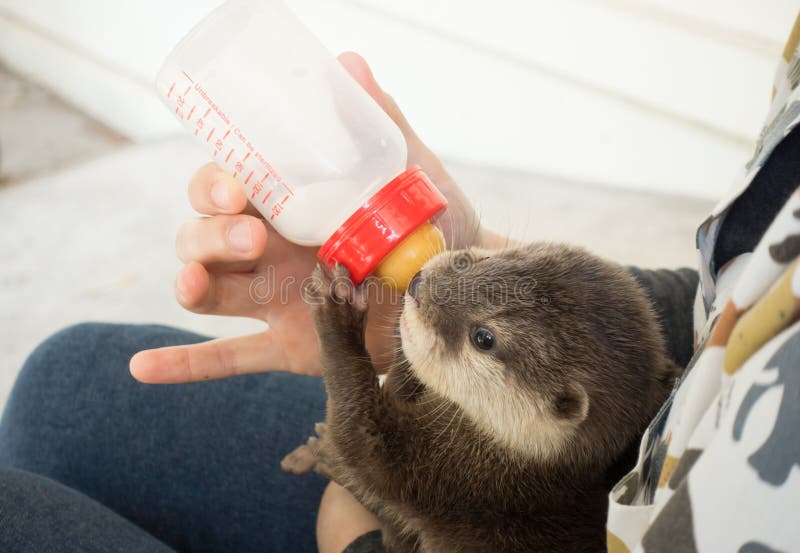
506 449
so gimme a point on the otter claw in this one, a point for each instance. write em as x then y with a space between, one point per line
335 287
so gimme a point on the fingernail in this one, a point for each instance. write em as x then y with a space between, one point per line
219 195
241 237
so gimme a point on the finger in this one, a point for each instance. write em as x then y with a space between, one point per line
233 294
212 191
210 360
222 239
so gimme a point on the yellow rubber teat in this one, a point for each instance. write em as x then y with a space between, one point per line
397 269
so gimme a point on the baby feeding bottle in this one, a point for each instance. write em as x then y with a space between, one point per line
316 155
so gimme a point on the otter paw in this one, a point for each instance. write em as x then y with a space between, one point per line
316 454
299 461
322 454
338 306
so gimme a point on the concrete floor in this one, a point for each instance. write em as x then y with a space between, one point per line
89 222
40 133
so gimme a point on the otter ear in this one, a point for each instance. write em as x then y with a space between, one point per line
572 404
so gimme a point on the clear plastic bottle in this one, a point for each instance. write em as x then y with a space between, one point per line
316 155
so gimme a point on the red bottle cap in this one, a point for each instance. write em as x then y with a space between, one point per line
382 222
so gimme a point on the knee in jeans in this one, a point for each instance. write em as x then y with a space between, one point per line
78 338
93 354
64 357
78 333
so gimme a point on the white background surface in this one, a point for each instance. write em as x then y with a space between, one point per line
656 95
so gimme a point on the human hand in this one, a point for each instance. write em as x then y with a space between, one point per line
341 520
227 251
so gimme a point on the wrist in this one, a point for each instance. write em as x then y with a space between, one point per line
491 240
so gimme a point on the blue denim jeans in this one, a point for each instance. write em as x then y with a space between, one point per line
92 460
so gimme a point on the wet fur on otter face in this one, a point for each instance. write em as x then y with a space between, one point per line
490 445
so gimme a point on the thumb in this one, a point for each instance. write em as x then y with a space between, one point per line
361 72
418 152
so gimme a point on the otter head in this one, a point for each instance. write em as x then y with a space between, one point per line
548 350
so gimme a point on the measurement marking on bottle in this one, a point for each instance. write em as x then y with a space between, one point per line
242 157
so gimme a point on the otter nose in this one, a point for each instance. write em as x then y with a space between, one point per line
413 284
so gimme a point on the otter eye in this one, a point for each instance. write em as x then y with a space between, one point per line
483 338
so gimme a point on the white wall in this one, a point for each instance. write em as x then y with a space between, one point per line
662 95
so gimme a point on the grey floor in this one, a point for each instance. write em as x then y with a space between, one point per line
89 222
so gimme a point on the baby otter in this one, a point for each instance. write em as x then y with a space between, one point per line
524 377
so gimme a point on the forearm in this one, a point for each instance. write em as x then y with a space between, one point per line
491 240
344 525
